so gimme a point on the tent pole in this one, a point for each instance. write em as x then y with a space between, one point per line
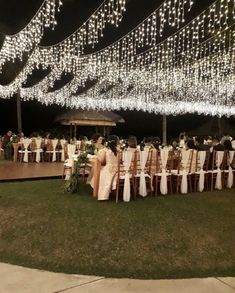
164 129
19 113
75 130
71 130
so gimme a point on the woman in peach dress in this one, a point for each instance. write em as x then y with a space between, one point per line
109 161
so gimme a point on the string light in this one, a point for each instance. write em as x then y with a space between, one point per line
14 46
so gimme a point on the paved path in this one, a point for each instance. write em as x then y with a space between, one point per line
15 279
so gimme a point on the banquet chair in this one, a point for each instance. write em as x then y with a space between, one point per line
159 173
142 172
61 151
201 171
52 151
217 169
37 150
68 165
182 176
228 171
124 176
25 152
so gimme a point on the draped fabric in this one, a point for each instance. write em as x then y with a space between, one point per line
38 142
219 159
127 159
54 145
62 143
143 161
202 158
26 143
69 162
185 161
164 157
230 170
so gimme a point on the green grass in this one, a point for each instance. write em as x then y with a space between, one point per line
176 236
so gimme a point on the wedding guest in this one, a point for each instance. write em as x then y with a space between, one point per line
216 145
156 142
228 145
109 159
190 144
132 143
174 144
97 140
5 145
200 145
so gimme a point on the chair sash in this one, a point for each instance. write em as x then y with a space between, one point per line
185 160
26 143
62 143
143 161
230 170
163 183
38 142
219 159
202 158
127 159
54 143
69 162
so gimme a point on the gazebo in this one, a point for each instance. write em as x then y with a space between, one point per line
101 120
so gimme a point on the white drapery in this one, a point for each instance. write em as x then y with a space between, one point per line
38 142
62 143
54 143
219 159
202 158
143 161
127 159
164 157
184 161
26 143
230 170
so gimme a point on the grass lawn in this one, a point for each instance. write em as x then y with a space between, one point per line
176 236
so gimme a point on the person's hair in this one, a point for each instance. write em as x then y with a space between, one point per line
112 143
190 144
172 140
156 142
147 139
200 139
95 137
132 141
228 145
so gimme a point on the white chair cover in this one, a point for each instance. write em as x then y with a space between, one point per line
164 157
230 170
219 159
202 158
143 161
71 148
38 142
62 143
54 145
127 159
26 143
185 160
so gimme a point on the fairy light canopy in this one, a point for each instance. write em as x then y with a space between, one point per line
179 58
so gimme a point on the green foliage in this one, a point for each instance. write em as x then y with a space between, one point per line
72 185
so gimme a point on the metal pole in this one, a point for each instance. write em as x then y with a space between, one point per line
19 113
164 129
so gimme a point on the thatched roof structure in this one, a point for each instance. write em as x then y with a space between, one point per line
89 118
215 127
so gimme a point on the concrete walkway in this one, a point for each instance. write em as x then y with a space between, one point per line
15 279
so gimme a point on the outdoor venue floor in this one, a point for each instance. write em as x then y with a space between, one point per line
10 171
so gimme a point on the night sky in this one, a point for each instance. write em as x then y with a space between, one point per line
15 14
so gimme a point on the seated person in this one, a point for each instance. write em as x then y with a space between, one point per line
200 146
109 159
216 145
97 140
132 143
